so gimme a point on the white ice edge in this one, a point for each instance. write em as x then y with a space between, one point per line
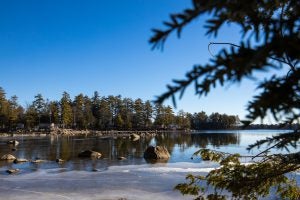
169 168
154 169
131 182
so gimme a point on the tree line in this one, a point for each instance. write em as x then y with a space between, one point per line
103 113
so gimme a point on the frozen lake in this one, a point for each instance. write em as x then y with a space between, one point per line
110 178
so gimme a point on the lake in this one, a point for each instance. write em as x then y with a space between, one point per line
108 177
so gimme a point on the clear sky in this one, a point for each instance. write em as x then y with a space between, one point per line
81 46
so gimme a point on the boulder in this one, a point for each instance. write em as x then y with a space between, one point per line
157 152
37 161
8 157
121 158
20 160
58 160
12 171
13 142
135 137
89 154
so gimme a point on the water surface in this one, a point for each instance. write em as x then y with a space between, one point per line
108 177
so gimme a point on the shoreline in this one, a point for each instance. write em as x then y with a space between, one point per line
72 132
116 133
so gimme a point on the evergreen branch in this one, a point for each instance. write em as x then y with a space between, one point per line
225 67
246 181
270 100
231 44
280 141
177 22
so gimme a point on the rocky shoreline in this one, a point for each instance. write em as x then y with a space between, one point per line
152 153
72 132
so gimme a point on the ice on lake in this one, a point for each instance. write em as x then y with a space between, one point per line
154 181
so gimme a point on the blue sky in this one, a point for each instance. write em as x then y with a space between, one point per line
52 46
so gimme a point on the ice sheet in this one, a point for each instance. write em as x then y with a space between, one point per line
148 181
126 182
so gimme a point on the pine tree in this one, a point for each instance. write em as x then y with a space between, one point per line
96 109
13 112
87 113
66 110
78 111
138 118
148 113
39 106
3 109
54 110
127 113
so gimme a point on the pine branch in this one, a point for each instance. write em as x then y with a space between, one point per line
281 141
176 24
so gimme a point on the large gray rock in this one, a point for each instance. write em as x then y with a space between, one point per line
157 152
59 160
121 158
13 142
12 171
8 157
89 154
135 137
38 161
20 160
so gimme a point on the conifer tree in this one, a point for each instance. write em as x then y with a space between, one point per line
66 110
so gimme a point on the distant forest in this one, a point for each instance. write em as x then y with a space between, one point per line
103 113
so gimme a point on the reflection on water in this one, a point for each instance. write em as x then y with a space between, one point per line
180 146
202 140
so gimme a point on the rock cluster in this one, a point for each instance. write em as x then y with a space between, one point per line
69 132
